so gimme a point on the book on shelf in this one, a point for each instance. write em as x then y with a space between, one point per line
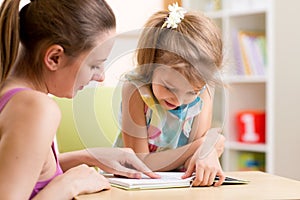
251 161
250 52
167 180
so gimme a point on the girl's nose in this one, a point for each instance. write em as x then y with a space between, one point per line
181 98
177 101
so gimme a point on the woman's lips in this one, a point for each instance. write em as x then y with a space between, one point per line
81 87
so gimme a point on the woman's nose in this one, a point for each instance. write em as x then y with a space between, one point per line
99 77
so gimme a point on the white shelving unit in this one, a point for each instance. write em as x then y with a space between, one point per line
244 92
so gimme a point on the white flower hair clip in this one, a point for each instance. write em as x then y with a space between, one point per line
176 15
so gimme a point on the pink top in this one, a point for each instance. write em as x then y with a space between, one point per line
40 184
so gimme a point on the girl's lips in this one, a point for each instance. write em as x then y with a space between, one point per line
170 105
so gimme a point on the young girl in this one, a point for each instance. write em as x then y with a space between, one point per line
167 100
63 44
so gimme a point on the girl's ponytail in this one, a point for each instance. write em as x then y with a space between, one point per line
9 31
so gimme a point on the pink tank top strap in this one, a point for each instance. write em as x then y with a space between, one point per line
8 95
41 184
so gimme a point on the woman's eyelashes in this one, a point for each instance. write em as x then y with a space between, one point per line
94 67
97 67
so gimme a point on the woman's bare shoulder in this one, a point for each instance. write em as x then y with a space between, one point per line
28 109
35 101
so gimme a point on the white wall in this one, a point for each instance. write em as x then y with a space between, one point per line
286 107
131 16
22 3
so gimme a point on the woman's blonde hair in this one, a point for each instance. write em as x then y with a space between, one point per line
196 43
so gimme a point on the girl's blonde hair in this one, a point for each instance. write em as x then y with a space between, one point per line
73 24
195 44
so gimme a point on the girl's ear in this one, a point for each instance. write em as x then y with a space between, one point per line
54 57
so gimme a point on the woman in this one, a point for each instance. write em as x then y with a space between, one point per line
57 47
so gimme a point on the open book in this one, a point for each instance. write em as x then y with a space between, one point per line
167 180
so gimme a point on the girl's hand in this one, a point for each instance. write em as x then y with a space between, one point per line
205 161
206 169
120 161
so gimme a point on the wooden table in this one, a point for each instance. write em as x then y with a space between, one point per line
261 186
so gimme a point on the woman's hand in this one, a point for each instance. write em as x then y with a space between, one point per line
120 161
81 179
87 179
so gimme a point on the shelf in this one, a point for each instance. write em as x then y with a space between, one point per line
245 79
234 13
246 147
215 14
237 13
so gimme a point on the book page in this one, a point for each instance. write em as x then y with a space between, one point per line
168 179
